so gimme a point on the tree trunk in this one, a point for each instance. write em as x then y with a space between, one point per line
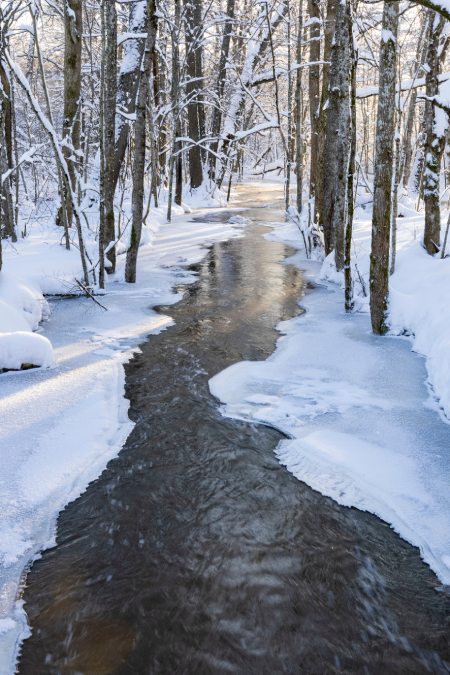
409 126
299 116
128 84
337 142
384 151
321 127
434 139
107 234
6 154
175 159
349 303
314 88
137 205
73 37
216 123
194 86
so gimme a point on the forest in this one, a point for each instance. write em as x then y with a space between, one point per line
288 163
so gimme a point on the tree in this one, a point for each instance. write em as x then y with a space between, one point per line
435 124
384 150
338 138
139 145
314 89
73 31
321 125
128 81
194 87
108 95
216 122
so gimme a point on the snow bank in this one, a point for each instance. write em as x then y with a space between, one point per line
355 407
418 301
207 195
419 304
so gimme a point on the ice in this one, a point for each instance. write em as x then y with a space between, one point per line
356 407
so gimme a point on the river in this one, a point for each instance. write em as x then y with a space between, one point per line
195 551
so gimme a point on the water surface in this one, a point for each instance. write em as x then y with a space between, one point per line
195 551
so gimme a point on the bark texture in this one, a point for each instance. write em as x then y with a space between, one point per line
216 122
338 138
128 83
435 133
73 38
384 156
107 137
321 128
195 103
139 145
314 88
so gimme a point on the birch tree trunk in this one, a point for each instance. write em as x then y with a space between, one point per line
128 84
137 205
434 138
216 123
409 126
384 156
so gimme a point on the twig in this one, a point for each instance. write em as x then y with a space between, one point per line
90 295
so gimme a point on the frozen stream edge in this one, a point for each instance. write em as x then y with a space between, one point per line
61 426
357 413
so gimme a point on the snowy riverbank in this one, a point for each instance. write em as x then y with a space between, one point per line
362 425
60 426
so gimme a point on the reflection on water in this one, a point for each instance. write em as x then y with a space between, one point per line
195 552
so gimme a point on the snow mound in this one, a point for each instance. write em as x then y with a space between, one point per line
22 308
21 348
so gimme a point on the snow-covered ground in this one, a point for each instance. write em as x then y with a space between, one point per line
61 425
362 412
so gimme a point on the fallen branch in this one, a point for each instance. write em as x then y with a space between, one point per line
88 293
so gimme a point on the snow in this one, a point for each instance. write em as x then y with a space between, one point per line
47 458
22 308
387 35
361 422
20 347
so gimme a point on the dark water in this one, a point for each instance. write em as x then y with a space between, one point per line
195 552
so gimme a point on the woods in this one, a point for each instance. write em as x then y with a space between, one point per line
224 334
110 110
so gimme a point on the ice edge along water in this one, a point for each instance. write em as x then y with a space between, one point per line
61 426
357 413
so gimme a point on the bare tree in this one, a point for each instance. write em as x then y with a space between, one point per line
384 150
321 126
194 86
139 145
435 135
338 138
108 95
73 31
314 88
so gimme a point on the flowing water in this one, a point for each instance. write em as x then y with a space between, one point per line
195 551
